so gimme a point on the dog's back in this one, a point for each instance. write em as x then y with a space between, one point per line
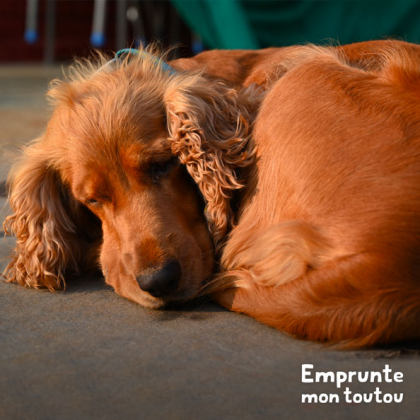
328 244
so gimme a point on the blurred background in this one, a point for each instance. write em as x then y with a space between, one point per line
37 37
53 31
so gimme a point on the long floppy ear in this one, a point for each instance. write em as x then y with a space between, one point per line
210 129
46 222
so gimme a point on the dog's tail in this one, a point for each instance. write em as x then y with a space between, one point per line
357 300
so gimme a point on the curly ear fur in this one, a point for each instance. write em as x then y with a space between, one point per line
45 223
210 129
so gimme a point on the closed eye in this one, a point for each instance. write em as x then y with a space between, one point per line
159 170
92 202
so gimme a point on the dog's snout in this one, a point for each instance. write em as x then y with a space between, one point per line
161 282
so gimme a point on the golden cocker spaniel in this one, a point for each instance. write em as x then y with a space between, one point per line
285 182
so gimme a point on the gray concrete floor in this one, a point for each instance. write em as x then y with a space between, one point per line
89 354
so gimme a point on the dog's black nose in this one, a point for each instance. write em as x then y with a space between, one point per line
161 282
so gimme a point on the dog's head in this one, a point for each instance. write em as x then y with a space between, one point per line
135 171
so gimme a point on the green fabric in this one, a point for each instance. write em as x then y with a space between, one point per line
254 24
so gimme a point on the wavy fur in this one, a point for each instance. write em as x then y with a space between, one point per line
210 131
44 222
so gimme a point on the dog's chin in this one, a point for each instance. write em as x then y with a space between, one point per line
151 302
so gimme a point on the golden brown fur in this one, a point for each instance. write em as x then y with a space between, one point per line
304 160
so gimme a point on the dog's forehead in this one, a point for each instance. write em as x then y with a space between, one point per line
111 106
103 123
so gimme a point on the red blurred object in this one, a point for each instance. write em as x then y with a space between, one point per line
73 27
